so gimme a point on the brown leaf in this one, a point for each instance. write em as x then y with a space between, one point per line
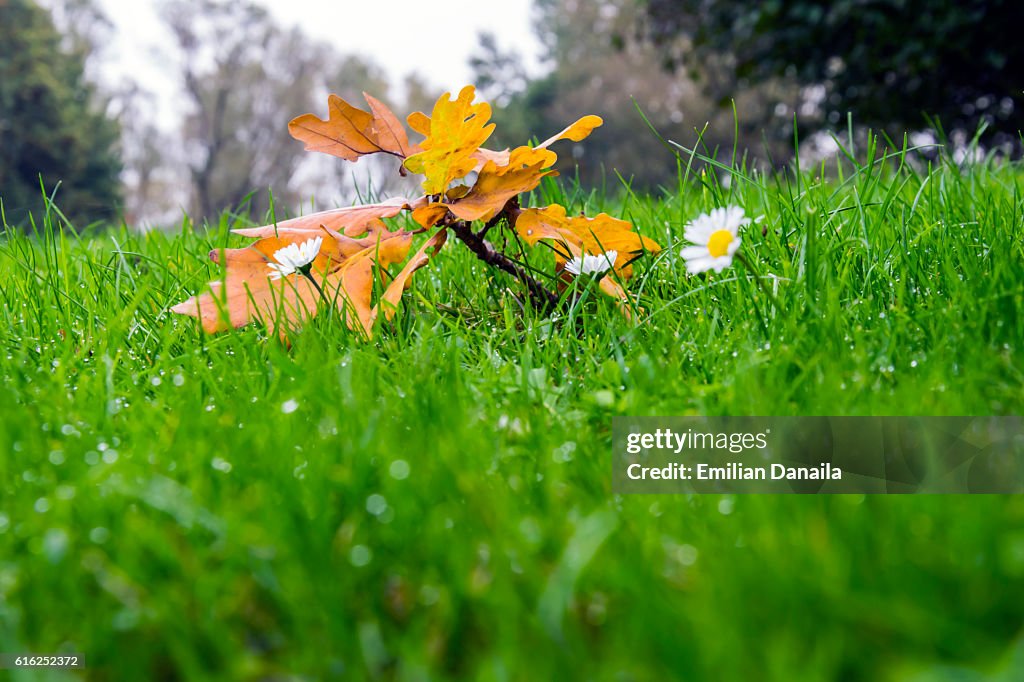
351 221
351 133
393 294
343 269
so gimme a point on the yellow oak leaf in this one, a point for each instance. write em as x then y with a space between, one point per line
576 132
351 133
457 128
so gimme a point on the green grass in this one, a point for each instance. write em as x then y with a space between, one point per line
437 504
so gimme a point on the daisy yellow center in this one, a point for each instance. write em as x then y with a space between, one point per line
718 243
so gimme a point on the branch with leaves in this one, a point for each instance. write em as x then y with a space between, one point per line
333 259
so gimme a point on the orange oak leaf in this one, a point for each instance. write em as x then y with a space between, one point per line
494 186
454 131
578 236
343 270
392 295
351 133
351 221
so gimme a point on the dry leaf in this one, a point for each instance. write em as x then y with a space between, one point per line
576 132
351 133
497 184
579 235
392 295
343 269
351 221
454 131
579 130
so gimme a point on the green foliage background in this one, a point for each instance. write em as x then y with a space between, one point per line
895 65
50 125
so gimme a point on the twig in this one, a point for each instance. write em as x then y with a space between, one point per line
542 298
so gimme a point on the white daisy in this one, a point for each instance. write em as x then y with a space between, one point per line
295 258
591 265
716 237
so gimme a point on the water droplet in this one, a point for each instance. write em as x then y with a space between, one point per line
376 504
399 470
360 555
290 406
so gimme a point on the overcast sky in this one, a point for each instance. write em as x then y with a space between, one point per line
433 38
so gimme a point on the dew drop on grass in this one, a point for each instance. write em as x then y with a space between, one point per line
290 406
399 470
686 555
360 555
725 506
57 457
5 522
376 504
179 380
55 544
221 464
156 381
42 505
99 535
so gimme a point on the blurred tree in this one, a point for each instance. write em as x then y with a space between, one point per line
245 77
595 66
889 62
52 123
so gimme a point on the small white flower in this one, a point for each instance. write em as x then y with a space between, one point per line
294 257
592 265
716 237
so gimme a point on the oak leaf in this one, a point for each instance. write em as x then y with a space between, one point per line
576 132
574 237
351 133
454 131
343 270
351 221
494 186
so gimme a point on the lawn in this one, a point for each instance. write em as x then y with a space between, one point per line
436 504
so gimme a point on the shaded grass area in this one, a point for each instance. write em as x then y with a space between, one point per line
436 504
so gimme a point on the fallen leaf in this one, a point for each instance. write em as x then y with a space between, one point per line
343 270
495 184
455 130
579 235
576 132
351 133
392 295
592 236
351 221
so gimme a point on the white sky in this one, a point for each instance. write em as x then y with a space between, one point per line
433 38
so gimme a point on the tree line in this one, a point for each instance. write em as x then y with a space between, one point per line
727 77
